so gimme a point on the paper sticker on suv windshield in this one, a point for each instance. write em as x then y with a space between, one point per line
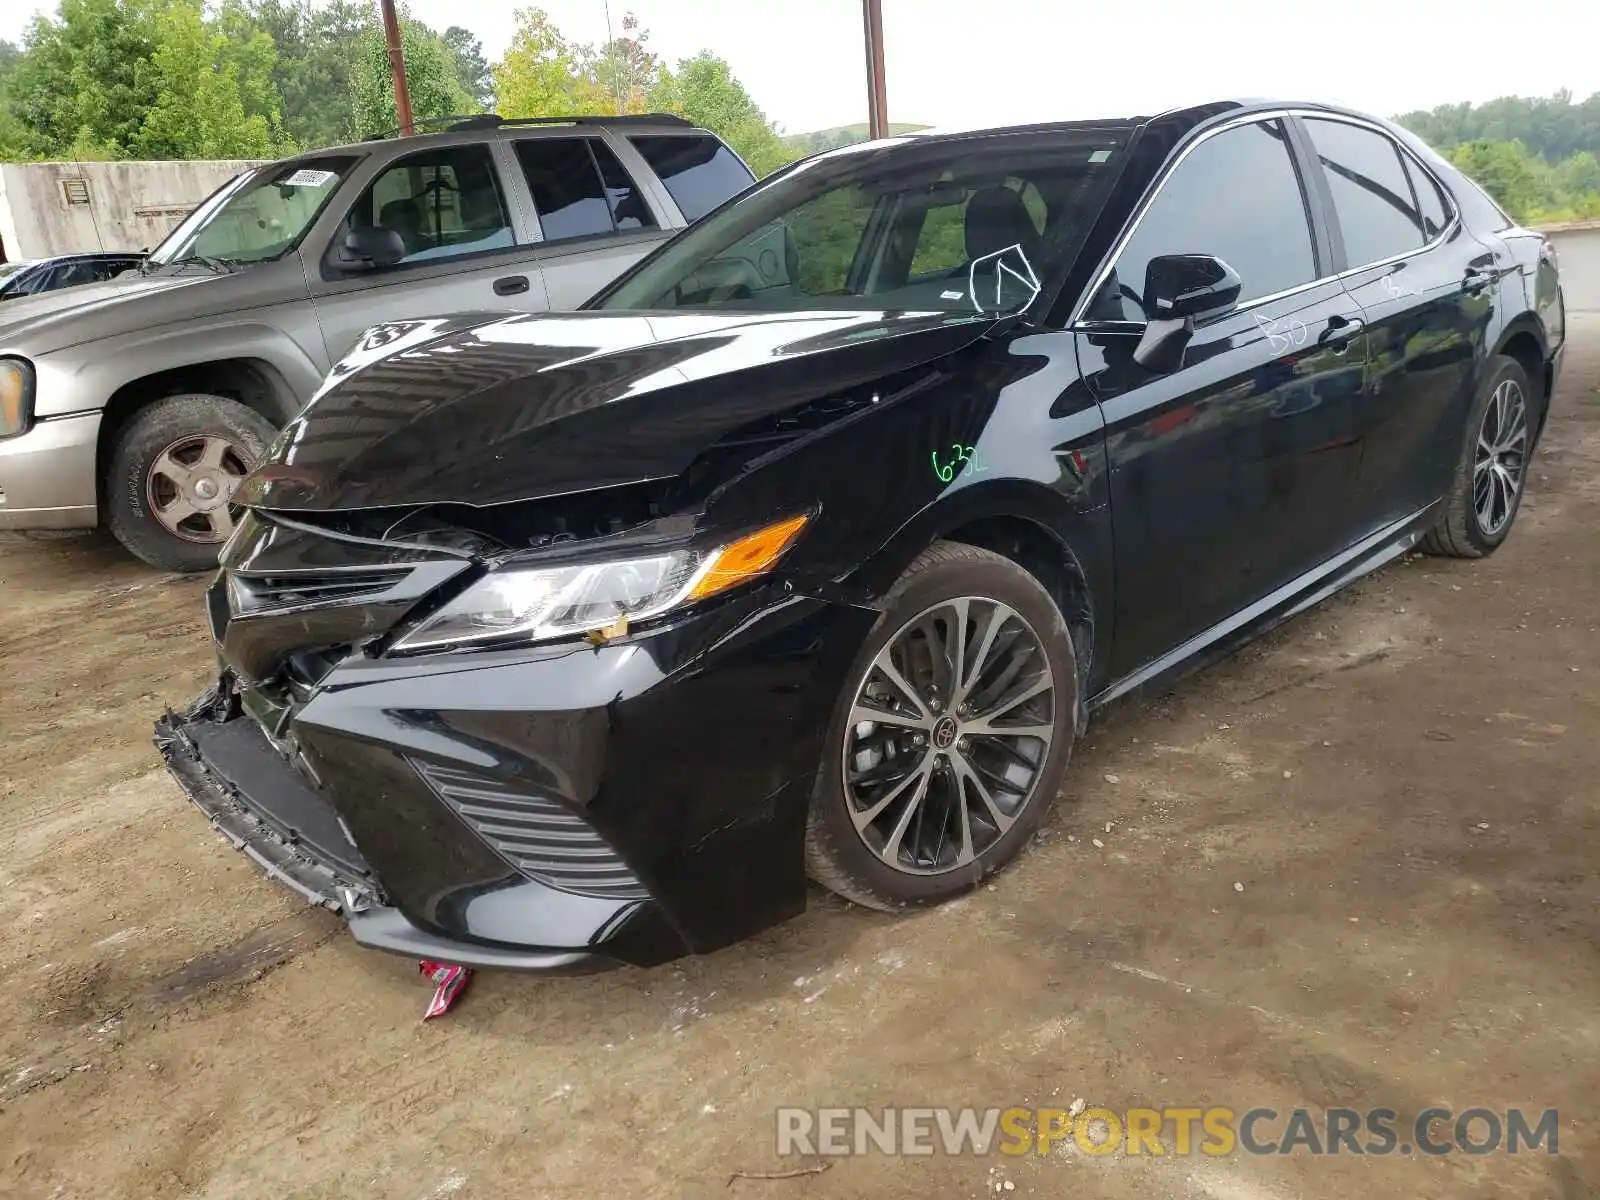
1099 156
305 177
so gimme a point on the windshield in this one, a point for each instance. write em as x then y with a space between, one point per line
970 225
257 216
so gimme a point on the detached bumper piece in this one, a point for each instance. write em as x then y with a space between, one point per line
271 812
281 821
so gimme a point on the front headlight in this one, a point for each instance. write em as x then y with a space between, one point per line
537 604
16 396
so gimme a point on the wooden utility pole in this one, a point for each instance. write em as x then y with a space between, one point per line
877 101
397 67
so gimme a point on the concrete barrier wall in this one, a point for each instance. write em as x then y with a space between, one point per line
129 205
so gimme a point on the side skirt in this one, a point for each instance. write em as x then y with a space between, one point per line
1293 598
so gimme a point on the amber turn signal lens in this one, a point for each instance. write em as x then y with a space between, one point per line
748 557
13 397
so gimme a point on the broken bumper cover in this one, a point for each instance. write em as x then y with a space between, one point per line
552 809
269 812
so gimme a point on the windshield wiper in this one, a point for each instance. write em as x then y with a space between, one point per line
222 266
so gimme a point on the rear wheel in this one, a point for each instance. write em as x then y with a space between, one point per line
951 736
173 473
1486 490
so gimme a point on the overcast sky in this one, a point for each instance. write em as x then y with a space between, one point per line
983 62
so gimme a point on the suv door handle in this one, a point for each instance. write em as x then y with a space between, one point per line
511 285
1341 331
1478 278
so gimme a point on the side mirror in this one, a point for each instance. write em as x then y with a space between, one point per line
1180 289
370 248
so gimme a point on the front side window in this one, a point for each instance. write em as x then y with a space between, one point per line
1236 196
256 216
699 171
444 203
1371 193
580 189
965 226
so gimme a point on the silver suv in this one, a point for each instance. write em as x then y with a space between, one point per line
143 401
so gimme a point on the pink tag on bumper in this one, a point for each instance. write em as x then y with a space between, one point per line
448 983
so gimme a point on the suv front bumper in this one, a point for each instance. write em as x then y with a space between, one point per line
48 476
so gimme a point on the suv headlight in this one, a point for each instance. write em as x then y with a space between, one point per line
16 396
537 604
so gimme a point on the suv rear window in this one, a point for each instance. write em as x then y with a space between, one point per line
699 171
580 189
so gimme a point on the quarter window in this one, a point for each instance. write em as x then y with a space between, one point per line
1237 196
699 171
1371 194
580 189
1430 201
443 203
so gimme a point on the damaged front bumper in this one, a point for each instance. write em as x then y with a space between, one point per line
560 809
231 771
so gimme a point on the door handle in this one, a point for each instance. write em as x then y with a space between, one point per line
1478 278
1341 331
511 285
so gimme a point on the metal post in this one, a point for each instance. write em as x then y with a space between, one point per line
877 100
397 67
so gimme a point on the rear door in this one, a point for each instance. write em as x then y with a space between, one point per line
595 219
1424 285
1227 473
451 208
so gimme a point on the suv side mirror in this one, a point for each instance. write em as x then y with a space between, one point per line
370 248
1180 289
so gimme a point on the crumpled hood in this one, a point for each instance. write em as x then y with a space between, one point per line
477 410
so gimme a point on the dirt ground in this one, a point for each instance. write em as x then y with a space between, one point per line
1403 781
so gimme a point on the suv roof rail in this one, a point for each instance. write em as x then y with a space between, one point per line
462 122
495 120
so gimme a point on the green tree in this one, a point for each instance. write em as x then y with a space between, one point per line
1503 169
203 81
82 86
472 69
544 75
435 86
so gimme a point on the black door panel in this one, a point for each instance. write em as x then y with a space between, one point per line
1229 475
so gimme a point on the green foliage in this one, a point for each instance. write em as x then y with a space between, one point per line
435 85
1536 157
841 135
258 78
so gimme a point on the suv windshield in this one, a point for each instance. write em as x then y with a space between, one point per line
963 225
257 216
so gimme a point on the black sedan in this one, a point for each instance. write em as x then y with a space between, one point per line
64 270
811 545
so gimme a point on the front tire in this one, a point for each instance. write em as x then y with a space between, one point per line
173 473
951 736
1492 470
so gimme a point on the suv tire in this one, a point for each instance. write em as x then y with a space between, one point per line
173 472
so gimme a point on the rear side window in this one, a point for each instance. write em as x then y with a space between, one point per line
699 171
580 189
1371 193
1237 196
1430 200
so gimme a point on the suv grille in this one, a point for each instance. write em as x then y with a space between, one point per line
541 837
253 591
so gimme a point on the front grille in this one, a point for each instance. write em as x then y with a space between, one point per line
257 591
541 837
